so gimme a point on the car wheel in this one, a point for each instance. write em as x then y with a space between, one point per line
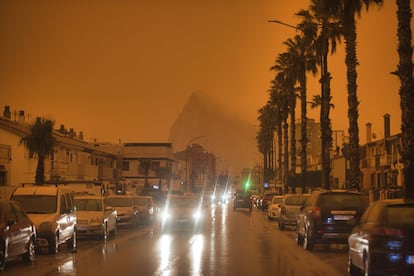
2 259
299 238
307 241
352 269
53 244
29 256
72 242
104 234
281 226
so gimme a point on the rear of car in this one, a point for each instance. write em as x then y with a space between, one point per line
127 214
383 241
242 200
328 216
266 200
290 209
273 210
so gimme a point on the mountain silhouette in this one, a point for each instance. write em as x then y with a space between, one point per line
203 121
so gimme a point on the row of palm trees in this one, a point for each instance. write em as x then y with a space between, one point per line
322 26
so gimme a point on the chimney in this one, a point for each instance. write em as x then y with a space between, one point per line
369 132
6 112
71 132
387 125
81 135
21 117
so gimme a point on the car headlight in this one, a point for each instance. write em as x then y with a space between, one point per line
197 215
165 215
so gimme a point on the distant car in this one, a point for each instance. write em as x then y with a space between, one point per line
183 212
146 208
273 210
328 216
382 243
290 209
93 218
17 233
242 199
127 213
51 208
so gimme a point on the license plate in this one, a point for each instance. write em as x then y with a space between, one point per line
342 217
409 259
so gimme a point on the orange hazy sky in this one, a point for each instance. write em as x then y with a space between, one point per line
123 69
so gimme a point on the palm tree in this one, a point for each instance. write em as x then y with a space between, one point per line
145 165
348 9
405 73
39 142
300 50
265 136
319 17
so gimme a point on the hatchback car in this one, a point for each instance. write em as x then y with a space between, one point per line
290 209
17 233
383 241
242 199
273 209
51 208
127 213
183 212
93 218
266 200
328 216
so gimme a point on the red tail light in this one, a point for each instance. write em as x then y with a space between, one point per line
316 213
388 231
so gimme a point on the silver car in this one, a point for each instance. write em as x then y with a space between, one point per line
290 209
95 219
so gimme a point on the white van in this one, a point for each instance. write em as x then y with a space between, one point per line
51 208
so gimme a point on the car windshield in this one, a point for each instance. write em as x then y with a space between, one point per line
37 204
295 200
88 204
399 215
183 202
341 201
140 201
119 201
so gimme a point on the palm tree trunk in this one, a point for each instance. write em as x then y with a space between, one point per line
40 170
405 73
286 155
293 140
351 62
303 132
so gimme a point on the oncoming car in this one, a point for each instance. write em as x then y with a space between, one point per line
182 212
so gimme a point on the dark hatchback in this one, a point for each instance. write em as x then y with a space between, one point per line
242 199
328 216
383 241
17 233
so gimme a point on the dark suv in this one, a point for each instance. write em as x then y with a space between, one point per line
328 216
242 199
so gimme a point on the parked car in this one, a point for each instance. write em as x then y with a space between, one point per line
93 218
382 243
273 210
242 199
290 209
127 213
146 207
17 233
266 200
51 208
328 216
183 212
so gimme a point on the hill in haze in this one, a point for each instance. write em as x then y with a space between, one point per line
229 138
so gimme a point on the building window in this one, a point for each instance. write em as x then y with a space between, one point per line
125 165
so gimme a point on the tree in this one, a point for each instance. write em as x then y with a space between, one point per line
405 74
319 17
40 143
348 9
145 165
